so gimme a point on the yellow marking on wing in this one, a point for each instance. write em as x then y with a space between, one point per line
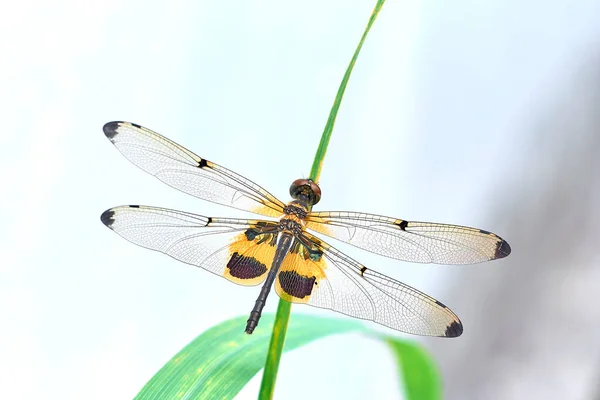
304 271
268 211
319 224
262 252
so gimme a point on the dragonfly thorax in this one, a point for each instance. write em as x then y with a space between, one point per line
296 209
291 224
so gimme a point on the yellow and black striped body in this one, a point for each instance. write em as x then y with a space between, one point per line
296 266
304 267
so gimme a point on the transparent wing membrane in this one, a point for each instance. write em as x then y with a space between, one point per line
422 242
219 245
185 171
339 283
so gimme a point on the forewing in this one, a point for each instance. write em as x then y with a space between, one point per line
422 242
335 281
239 250
184 170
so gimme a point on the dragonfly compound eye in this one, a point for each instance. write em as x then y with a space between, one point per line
307 189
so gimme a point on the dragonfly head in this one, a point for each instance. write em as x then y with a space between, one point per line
306 190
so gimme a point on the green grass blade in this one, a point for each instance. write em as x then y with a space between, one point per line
219 362
267 386
282 317
315 171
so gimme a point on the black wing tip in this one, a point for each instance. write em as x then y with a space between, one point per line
502 249
455 329
107 217
110 129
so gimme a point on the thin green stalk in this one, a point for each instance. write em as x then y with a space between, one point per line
315 171
282 317
267 386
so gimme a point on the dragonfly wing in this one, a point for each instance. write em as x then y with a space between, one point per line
422 242
180 168
236 249
319 275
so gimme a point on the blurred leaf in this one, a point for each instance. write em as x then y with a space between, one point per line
418 372
219 362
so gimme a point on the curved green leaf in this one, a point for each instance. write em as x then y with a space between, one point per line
219 362
419 374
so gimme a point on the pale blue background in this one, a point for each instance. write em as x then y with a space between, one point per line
435 125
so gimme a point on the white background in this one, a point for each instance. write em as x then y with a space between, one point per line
435 124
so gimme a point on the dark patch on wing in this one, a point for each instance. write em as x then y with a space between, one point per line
107 217
243 267
110 129
296 285
209 221
403 225
362 270
302 246
251 234
439 303
485 232
455 329
266 235
134 206
136 125
315 254
202 163
502 249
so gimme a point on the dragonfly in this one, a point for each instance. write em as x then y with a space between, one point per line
282 251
